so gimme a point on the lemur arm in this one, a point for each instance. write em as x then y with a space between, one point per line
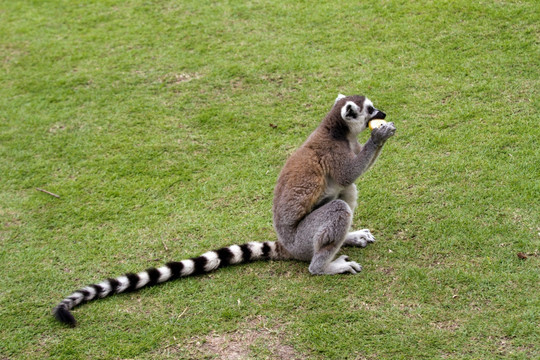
356 165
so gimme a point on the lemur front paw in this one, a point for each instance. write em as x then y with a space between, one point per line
383 133
359 238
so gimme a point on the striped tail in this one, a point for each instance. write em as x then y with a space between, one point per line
207 262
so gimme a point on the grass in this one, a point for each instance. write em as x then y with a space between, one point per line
151 121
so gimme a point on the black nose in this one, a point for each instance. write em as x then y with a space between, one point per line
379 115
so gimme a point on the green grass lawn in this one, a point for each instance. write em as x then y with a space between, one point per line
162 126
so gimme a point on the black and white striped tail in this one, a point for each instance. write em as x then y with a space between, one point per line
207 262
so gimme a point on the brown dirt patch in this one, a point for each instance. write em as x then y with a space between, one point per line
252 340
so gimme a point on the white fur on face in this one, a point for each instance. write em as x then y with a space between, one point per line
367 104
365 112
351 108
357 117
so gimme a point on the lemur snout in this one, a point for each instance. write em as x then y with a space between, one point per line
379 115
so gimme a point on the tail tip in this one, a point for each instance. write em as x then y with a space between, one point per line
62 314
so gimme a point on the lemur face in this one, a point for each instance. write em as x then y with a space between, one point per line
357 111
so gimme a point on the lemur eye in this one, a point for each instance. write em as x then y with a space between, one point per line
370 109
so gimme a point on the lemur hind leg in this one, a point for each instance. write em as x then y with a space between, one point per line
362 237
324 230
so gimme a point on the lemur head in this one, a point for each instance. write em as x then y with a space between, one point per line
357 111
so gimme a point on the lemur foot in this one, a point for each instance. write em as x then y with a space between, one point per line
342 265
359 238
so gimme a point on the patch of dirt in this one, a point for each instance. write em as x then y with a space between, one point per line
446 325
179 78
386 270
252 340
56 128
244 343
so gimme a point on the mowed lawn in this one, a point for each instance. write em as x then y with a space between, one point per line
162 126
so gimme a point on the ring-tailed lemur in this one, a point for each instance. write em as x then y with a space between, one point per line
314 200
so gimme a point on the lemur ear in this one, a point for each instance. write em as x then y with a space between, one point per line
350 111
339 97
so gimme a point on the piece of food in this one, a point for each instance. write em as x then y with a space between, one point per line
373 124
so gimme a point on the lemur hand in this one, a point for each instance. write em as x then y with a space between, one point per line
383 133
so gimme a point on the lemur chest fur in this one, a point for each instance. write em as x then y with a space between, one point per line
331 192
